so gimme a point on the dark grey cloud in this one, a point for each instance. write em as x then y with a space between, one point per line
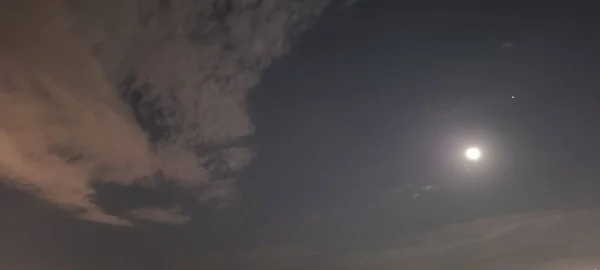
122 91
172 215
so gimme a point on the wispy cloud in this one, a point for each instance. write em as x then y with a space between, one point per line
546 240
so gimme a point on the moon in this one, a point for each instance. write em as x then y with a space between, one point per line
473 153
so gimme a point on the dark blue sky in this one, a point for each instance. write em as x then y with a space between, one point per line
384 95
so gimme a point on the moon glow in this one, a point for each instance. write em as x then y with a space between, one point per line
473 153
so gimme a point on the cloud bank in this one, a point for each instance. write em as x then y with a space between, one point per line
546 240
128 92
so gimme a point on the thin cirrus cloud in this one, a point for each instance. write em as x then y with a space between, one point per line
538 241
547 240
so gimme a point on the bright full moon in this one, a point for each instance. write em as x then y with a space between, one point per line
473 153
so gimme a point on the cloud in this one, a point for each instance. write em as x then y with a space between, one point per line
172 215
96 91
545 240
524 241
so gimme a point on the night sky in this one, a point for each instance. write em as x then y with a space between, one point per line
360 133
